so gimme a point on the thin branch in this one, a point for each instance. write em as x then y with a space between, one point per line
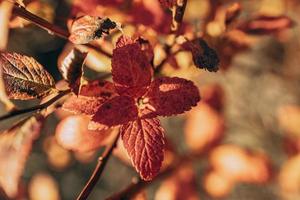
35 108
102 161
178 13
50 28
40 22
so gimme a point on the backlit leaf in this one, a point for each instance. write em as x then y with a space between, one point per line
144 142
168 3
169 96
92 95
87 28
117 111
24 77
72 133
71 69
130 66
15 146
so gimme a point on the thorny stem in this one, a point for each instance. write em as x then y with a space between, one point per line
50 28
102 161
35 108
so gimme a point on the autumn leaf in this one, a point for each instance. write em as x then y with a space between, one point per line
168 3
24 77
71 69
92 95
5 13
15 146
118 110
266 25
128 73
204 57
170 96
88 28
72 133
144 142
3 96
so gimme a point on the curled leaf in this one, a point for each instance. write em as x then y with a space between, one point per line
71 69
15 146
144 142
204 57
24 77
87 28
169 96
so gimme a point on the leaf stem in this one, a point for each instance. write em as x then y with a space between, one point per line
35 108
102 161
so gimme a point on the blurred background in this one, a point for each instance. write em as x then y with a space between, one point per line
244 135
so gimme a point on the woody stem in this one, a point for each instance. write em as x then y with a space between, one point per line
102 161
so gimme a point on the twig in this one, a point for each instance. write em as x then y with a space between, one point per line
178 13
50 28
35 108
102 161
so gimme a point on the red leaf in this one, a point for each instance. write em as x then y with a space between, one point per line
91 97
169 96
117 111
144 142
266 25
72 133
130 67
15 146
168 3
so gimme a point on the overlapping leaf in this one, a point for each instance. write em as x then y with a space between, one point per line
131 69
87 28
90 98
171 96
144 142
168 3
71 69
118 110
24 77
15 146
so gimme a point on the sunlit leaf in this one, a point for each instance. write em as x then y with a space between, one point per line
24 77
87 28
71 69
144 142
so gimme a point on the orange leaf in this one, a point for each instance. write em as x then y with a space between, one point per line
15 146
72 133
144 142
24 77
